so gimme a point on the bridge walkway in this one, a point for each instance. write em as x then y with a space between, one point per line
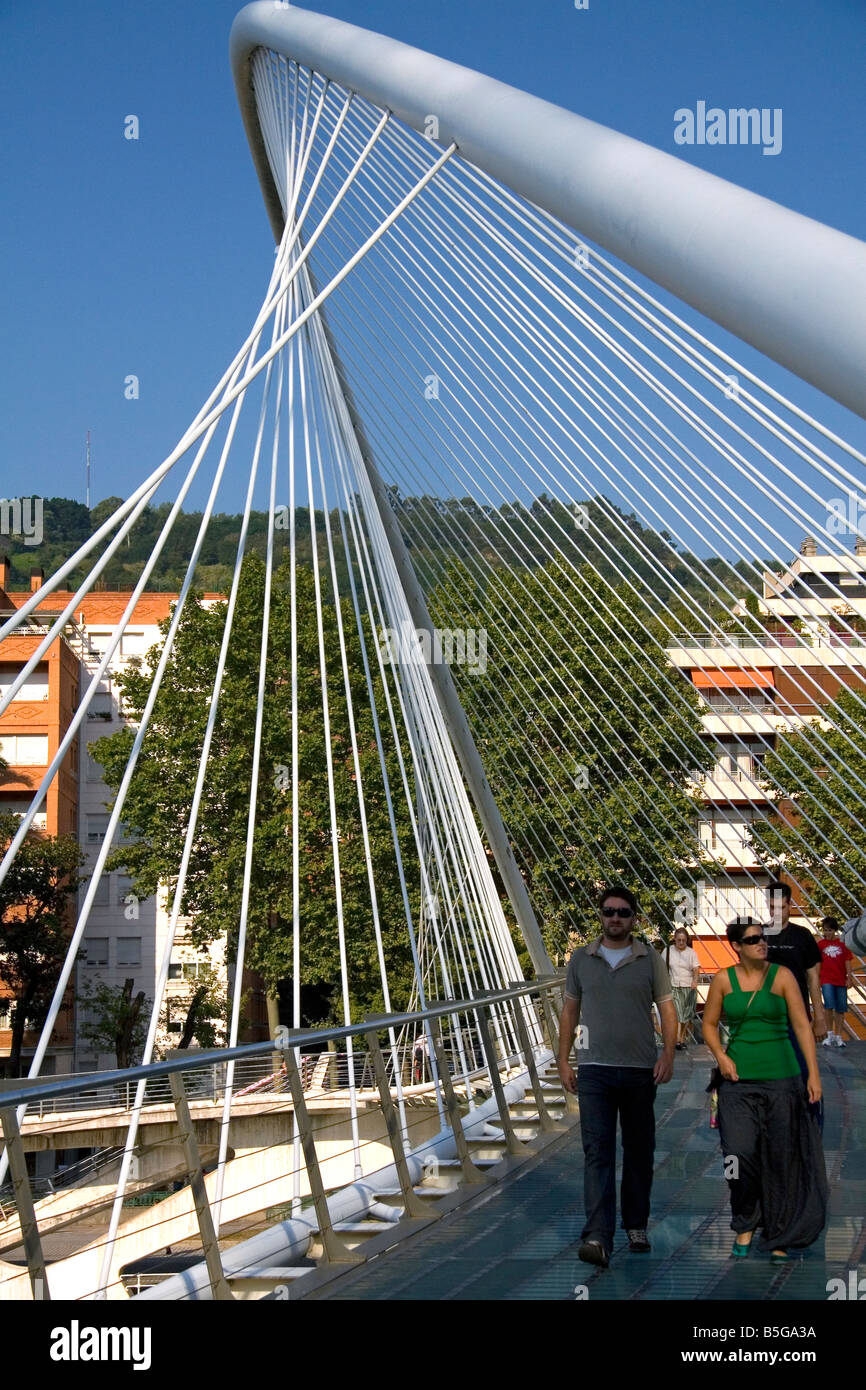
519 1240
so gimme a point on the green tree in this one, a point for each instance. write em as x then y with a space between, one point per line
592 783
157 807
207 1012
113 1021
34 900
817 825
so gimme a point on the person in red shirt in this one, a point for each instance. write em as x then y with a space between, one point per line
836 980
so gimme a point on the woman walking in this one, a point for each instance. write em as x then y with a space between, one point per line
774 1161
684 969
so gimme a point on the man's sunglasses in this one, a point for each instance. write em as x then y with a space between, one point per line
616 912
751 940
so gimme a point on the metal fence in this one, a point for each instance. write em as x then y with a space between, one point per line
347 1130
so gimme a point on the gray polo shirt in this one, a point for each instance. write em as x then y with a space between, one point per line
615 1005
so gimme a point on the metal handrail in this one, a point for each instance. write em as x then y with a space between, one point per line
510 1065
287 1041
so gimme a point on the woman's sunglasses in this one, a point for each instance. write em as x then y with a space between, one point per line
751 940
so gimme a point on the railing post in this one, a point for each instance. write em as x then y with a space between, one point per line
550 1021
209 1243
414 1205
470 1173
24 1203
333 1250
513 1144
545 1119
552 993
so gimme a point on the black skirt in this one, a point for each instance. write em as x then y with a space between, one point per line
774 1161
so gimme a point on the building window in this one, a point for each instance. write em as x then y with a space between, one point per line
94 769
101 897
96 950
175 972
100 705
99 641
18 808
96 828
132 644
25 750
35 687
6 1013
129 950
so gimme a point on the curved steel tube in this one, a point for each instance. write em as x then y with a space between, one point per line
792 287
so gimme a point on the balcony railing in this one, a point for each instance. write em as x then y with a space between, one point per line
769 640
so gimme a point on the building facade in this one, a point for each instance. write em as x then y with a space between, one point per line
125 936
755 688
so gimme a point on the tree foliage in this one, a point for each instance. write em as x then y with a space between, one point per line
34 899
112 1020
819 807
157 807
593 784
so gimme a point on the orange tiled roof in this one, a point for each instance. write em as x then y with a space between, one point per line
105 607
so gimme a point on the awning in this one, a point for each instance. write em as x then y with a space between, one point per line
714 953
721 680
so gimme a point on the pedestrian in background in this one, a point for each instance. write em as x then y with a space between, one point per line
684 969
836 980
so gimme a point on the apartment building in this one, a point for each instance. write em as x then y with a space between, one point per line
756 687
125 937
31 730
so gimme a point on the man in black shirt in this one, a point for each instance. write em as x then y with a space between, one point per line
795 947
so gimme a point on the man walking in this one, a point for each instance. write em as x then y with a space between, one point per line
610 989
795 947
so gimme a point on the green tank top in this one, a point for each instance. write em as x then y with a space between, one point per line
759 1044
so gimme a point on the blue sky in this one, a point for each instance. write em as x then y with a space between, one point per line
150 256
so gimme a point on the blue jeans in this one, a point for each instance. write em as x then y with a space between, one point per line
605 1093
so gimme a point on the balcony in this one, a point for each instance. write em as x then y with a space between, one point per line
722 786
722 641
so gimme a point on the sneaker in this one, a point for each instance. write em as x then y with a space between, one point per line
592 1252
828 1041
638 1243
840 1042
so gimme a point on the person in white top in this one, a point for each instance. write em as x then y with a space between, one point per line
684 971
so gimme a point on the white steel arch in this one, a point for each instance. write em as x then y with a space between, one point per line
789 285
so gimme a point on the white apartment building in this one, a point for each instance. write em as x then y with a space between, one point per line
755 687
125 937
